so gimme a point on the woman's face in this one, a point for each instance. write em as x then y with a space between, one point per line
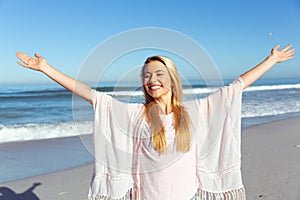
157 80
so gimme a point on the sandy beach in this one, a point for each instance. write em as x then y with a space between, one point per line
270 166
271 160
63 185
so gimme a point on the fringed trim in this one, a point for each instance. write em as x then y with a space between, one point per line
127 196
238 194
134 194
131 194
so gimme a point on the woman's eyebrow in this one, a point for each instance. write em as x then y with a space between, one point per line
160 70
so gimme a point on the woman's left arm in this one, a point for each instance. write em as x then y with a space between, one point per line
275 57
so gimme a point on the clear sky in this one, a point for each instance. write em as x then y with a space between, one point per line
236 34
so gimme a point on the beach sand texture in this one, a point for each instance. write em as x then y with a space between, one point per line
271 160
270 167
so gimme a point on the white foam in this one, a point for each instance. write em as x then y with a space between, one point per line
126 93
272 87
43 131
270 109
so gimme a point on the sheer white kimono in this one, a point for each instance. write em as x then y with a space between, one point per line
121 131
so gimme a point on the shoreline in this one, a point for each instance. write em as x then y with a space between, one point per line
31 158
270 168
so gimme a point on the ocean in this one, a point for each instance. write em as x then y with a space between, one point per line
50 123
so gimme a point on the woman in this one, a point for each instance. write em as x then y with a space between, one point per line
165 149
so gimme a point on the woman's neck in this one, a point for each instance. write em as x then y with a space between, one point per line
165 105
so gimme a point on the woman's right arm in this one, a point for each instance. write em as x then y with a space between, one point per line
40 64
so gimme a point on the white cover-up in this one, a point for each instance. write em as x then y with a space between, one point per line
127 166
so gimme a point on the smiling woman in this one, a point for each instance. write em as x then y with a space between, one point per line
139 147
163 91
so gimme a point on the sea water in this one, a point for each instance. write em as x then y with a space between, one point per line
35 115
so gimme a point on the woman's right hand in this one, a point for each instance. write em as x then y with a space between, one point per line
39 63
32 63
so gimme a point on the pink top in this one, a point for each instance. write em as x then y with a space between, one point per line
175 180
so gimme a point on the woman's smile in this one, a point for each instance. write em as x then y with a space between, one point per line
154 87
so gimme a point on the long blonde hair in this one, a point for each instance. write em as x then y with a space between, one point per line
182 119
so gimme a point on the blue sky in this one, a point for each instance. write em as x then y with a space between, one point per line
236 34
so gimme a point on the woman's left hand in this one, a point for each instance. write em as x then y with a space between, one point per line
286 53
276 56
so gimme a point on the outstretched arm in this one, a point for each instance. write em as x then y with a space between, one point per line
275 57
40 64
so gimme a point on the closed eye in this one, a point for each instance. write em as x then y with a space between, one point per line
146 76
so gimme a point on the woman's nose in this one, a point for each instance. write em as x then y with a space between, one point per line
152 79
